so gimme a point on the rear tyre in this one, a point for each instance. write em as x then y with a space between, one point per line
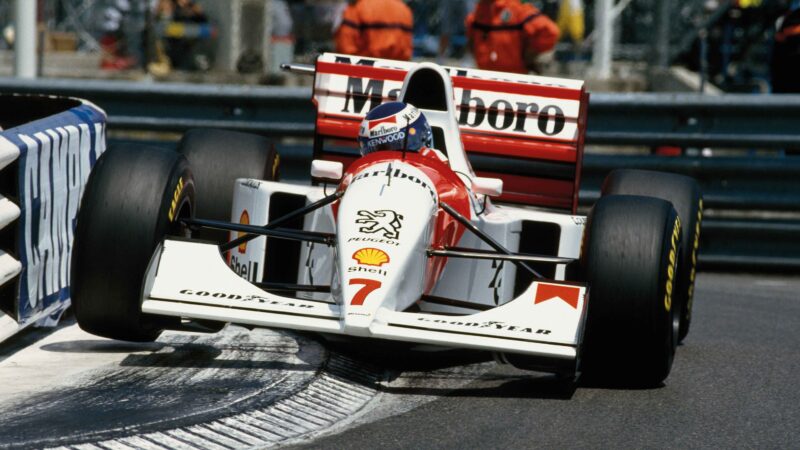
630 258
134 197
218 158
684 194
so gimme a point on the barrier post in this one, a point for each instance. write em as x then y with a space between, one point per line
25 40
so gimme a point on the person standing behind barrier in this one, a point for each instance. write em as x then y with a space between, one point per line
376 28
114 42
786 53
182 51
508 36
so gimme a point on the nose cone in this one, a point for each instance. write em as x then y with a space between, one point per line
384 227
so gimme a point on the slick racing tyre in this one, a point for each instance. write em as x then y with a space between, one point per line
218 158
684 194
134 197
630 257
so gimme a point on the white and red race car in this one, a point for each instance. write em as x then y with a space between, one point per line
401 246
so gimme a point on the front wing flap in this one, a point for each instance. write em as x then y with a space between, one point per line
190 279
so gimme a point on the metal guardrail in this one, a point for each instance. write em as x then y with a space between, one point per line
683 120
758 190
614 119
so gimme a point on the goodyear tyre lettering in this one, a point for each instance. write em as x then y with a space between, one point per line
673 260
175 196
275 163
695 246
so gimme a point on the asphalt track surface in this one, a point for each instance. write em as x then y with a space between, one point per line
733 385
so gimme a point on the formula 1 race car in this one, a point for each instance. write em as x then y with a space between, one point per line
399 245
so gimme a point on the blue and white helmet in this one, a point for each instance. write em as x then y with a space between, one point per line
394 126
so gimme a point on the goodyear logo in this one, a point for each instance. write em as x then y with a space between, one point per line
176 195
673 262
371 257
275 163
695 246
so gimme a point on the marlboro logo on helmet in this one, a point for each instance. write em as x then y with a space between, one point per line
394 126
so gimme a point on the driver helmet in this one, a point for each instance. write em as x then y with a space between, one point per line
394 126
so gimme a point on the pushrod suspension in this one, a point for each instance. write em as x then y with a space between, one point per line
486 238
282 220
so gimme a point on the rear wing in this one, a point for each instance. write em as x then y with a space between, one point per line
527 130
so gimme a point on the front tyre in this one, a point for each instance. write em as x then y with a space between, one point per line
684 194
134 197
218 158
630 260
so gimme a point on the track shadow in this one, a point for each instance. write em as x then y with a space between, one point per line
192 358
617 384
401 356
103 346
196 355
429 370
548 387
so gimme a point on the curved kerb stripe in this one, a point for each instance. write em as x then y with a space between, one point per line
340 390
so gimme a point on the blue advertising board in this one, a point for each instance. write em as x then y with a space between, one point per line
56 154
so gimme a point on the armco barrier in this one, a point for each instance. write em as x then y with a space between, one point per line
47 150
683 120
614 119
758 191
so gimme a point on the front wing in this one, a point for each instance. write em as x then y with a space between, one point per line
190 279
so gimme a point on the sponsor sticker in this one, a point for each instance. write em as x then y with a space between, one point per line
254 184
244 219
491 324
394 136
245 269
371 256
376 122
56 155
534 114
396 174
275 164
673 262
371 240
497 280
367 270
547 291
695 246
367 287
243 298
176 195
385 222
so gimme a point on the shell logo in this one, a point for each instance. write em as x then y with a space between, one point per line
371 257
244 219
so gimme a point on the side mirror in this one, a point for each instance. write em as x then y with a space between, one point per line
326 170
492 187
